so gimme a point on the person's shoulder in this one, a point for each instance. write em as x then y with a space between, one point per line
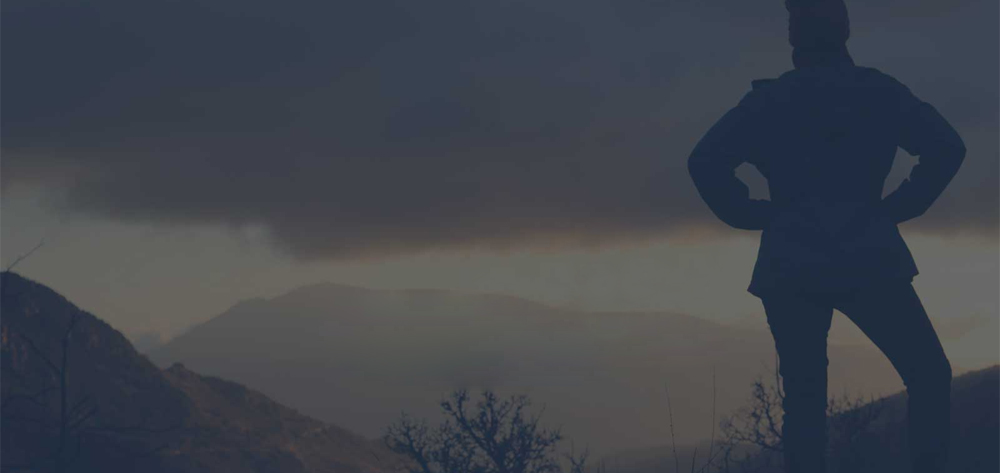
766 90
757 96
774 88
876 77
759 84
860 79
890 88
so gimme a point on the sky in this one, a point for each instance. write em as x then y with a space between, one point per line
177 157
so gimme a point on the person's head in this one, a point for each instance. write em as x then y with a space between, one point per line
817 29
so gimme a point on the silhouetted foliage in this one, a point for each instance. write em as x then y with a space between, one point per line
494 436
752 436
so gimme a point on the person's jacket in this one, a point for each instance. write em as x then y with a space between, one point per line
825 138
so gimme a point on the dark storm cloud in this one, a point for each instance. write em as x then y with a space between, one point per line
370 128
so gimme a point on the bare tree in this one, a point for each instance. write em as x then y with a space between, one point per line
494 436
69 419
752 436
24 256
849 419
60 420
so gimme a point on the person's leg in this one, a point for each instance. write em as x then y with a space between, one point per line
800 325
895 320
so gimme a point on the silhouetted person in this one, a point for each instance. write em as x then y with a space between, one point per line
825 135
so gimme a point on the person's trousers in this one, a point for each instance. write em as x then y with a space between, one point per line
892 316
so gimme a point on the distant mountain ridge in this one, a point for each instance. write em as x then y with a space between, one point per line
145 419
359 356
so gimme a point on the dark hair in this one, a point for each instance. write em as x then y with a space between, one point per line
820 25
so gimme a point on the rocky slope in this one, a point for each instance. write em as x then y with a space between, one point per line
122 413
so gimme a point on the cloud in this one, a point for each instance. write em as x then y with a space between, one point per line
364 129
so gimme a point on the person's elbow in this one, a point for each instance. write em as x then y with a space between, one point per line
700 168
952 156
952 146
960 151
706 178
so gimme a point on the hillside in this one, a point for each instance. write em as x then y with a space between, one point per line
231 420
975 434
975 428
125 414
359 356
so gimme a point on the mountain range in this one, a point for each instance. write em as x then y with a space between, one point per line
587 370
359 357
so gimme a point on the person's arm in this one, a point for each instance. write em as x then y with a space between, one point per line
925 133
713 162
